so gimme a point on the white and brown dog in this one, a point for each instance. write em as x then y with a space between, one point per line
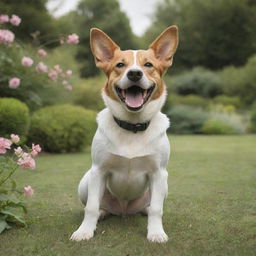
130 149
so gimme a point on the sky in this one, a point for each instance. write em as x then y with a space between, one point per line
138 11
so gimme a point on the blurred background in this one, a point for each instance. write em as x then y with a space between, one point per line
211 85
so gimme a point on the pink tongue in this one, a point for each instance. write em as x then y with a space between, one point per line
134 100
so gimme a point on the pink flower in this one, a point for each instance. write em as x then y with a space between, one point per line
18 151
6 36
4 18
4 144
15 20
57 68
41 67
35 150
14 82
26 61
73 39
15 138
42 53
69 73
26 162
28 191
53 75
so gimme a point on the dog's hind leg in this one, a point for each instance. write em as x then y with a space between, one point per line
103 214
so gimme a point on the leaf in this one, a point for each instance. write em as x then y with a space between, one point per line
3 226
14 217
19 204
12 201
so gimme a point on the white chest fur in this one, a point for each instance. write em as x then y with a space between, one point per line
127 158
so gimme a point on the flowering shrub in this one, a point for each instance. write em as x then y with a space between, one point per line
24 75
11 158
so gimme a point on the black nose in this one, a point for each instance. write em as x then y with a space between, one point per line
134 75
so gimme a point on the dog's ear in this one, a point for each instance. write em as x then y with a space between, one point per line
165 45
102 46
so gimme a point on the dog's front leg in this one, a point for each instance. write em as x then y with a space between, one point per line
96 187
159 190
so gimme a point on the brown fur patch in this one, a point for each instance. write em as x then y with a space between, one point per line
114 73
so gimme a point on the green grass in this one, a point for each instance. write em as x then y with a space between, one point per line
210 209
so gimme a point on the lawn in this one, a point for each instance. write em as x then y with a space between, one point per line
210 210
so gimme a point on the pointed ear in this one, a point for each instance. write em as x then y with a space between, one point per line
165 45
102 46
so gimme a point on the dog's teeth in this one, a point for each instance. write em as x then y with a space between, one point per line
123 93
144 93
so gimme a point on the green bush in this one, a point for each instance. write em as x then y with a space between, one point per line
189 100
223 122
186 120
253 118
63 128
14 117
228 100
217 127
88 93
198 81
240 81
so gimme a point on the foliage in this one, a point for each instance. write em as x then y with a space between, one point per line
88 93
63 128
36 90
223 121
213 34
186 120
253 118
216 126
228 100
189 100
11 206
198 81
14 117
42 22
241 81
105 15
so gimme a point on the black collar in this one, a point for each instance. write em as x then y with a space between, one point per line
139 127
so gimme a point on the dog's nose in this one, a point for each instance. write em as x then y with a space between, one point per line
134 75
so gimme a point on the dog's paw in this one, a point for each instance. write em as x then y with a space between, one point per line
80 235
159 237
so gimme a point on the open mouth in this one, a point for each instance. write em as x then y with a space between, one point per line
134 97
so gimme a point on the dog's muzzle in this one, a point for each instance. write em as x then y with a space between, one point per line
134 96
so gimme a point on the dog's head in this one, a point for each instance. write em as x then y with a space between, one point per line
134 77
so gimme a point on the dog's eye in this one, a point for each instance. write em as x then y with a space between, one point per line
120 65
148 65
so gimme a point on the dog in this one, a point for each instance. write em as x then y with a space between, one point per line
130 149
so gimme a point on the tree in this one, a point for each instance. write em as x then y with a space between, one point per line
35 17
105 15
212 33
